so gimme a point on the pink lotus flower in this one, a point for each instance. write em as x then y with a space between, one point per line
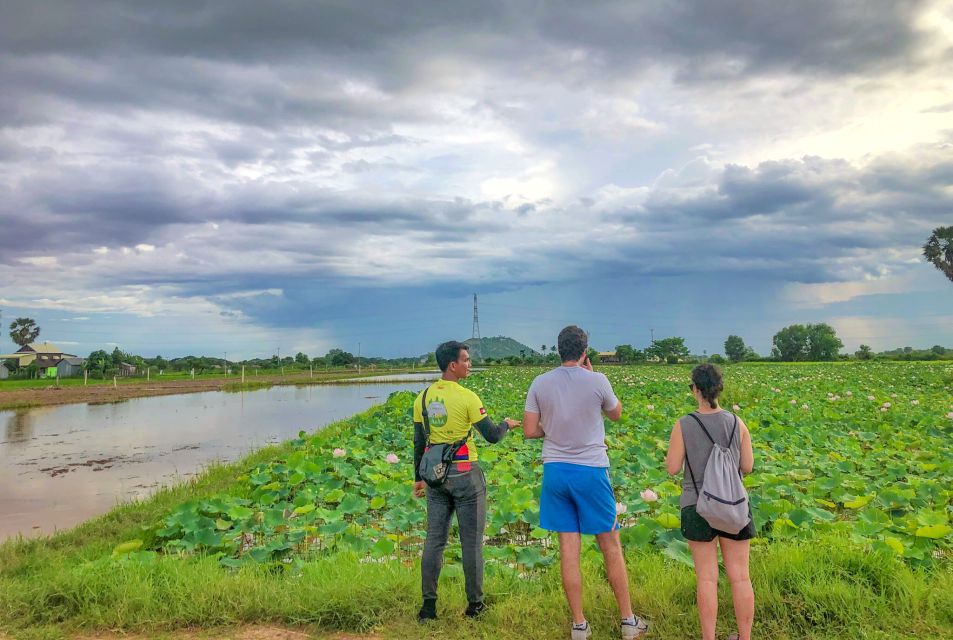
871 398
648 495
950 415
392 458
805 407
339 453
793 401
735 407
848 393
886 405
650 407
620 508
914 402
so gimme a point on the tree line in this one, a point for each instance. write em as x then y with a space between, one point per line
794 343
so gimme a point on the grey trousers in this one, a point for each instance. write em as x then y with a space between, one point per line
466 495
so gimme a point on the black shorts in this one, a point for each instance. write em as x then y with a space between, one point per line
697 529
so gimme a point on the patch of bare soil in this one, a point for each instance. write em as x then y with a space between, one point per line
101 393
107 393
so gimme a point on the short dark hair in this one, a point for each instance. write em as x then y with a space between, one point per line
707 379
572 343
448 352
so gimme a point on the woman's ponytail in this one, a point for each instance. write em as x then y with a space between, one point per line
708 380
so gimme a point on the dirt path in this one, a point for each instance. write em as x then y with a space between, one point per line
104 393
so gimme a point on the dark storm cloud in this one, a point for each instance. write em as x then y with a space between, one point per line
808 191
248 62
738 37
811 220
844 36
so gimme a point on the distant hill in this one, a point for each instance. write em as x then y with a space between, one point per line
496 348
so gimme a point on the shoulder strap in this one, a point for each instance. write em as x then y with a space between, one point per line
424 414
700 424
734 428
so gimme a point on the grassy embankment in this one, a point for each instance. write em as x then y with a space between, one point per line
274 376
25 394
54 587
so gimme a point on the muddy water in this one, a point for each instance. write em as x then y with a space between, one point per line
64 464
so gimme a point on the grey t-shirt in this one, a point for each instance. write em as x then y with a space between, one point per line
570 402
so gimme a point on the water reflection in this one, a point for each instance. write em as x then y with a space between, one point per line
20 426
62 465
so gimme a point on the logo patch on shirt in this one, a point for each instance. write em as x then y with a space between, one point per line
482 411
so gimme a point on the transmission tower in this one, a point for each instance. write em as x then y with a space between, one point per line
476 319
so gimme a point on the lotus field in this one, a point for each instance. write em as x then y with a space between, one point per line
859 451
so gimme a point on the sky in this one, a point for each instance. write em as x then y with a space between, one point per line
243 177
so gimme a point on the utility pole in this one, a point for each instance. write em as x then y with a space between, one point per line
358 357
225 365
653 334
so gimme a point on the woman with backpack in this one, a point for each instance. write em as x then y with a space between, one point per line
714 447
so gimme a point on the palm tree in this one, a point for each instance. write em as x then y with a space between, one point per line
23 331
939 250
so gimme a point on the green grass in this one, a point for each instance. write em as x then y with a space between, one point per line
825 590
233 378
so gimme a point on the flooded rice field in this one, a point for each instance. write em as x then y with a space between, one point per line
63 464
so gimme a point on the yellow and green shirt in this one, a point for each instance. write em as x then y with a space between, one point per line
452 411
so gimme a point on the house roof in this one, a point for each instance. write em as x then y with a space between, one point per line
610 354
74 361
41 347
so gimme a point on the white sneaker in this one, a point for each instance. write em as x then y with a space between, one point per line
631 631
581 634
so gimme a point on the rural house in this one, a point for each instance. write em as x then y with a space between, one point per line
44 354
609 357
126 369
70 366
4 372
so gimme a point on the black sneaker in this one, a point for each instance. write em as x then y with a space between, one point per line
428 611
474 609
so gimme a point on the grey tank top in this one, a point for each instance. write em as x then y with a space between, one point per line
698 448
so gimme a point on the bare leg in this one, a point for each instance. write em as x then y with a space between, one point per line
570 545
735 554
615 569
705 555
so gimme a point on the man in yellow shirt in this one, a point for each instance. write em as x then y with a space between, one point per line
453 412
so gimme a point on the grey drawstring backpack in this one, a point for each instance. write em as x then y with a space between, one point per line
723 500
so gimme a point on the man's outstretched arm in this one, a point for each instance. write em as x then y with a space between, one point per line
493 433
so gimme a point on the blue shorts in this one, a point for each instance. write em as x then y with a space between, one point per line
577 499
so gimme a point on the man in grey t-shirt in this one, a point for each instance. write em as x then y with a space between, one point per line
565 407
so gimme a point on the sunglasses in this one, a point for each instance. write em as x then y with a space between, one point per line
691 386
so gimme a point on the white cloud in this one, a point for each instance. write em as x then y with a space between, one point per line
40 261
